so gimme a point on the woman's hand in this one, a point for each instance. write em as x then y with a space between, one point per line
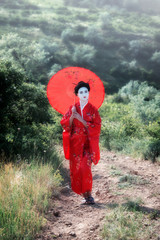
74 109
78 117
72 116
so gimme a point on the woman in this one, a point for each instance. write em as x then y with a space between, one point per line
82 125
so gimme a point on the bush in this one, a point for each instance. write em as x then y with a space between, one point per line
18 51
54 69
84 55
156 57
93 36
153 129
131 121
106 22
153 150
144 99
157 37
28 126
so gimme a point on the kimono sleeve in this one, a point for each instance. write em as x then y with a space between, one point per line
94 129
66 133
65 120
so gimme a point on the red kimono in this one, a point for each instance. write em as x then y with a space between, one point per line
81 146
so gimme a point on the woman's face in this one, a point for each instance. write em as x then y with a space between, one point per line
83 94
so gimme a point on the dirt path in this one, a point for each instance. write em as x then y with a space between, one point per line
68 218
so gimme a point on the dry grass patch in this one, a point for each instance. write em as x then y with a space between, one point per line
24 197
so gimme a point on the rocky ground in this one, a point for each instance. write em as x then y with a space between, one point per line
69 218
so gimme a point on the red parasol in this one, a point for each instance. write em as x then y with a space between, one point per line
60 89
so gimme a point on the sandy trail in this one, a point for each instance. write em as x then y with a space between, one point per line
68 218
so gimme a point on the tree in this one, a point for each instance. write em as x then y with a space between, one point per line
105 19
54 69
84 55
156 57
93 36
24 114
29 57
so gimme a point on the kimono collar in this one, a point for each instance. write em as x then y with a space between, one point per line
82 108
83 105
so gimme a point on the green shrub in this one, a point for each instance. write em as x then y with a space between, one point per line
18 51
130 121
153 129
153 150
28 125
144 100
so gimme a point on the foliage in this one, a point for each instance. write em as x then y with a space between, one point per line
27 123
156 57
84 55
131 121
105 19
94 36
19 51
54 69
43 37
117 44
144 99
131 5
153 150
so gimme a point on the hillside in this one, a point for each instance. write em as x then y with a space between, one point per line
119 42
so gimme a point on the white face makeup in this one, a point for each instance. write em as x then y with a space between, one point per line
83 94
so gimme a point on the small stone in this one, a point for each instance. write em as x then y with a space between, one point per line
68 224
94 227
98 192
72 234
110 196
134 172
56 213
65 189
60 207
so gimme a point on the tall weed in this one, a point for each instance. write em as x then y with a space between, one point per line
24 197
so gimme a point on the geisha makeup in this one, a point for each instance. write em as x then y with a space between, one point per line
83 94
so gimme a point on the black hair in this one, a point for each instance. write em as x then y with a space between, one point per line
79 85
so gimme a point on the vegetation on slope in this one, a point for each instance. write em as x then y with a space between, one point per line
118 41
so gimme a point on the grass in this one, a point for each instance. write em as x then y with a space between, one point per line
121 224
25 192
115 172
132 179
128 180
124 185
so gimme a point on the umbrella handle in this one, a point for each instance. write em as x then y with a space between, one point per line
74 99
